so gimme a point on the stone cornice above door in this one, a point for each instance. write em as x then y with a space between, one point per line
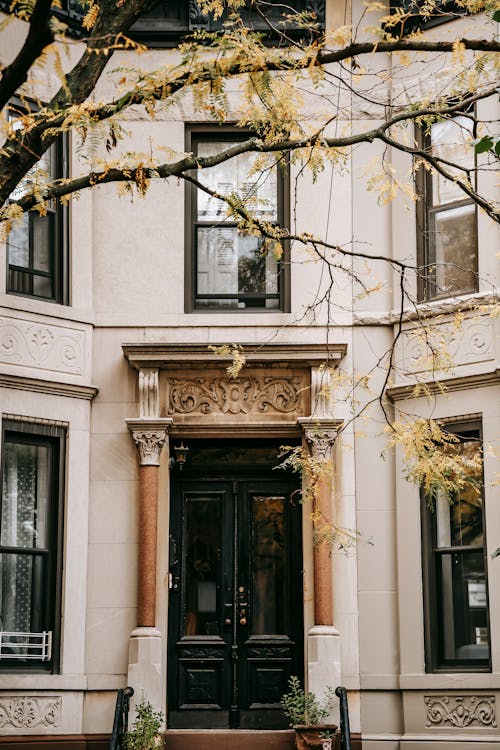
277 385
177 356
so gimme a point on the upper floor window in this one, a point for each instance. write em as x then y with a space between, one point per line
418 15
446 217
37 245
30 545
227 269
455 578
170 21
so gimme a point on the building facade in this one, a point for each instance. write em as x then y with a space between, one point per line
147 538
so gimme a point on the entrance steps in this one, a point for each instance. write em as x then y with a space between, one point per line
229 739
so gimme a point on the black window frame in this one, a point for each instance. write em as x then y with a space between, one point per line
203 133
20 279
427 290
435 662
53 437
449 11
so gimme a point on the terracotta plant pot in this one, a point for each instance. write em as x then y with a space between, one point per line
313 737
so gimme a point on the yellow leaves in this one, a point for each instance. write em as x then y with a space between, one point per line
91 16
234 352
338 37
435 459
458 54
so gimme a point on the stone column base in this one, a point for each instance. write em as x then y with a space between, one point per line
144 669
323 665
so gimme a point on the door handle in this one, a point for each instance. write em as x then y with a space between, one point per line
242 606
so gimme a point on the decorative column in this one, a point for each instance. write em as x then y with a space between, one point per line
323 640
150 433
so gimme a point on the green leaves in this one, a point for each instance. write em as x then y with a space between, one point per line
488 143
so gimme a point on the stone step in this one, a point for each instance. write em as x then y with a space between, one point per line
229 739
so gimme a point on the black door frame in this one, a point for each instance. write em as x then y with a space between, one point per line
234 658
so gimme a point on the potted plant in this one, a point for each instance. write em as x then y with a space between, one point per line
307 714
145 731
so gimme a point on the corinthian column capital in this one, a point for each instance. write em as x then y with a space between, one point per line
320 435
149 436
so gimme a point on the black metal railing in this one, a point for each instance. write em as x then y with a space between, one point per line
120 721
345 730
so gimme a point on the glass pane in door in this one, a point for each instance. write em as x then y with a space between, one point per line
202 565
268 565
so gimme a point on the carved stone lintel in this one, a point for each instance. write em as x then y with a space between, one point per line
149 398
320 435
149 436
27 711
460 710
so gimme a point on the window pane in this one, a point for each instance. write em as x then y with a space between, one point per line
19 243
21 592
453 235
202 565
229 262
268 565
258 191
461 596
41 241
451 140
25 496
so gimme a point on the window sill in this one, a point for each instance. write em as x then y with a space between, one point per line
39 681
450 681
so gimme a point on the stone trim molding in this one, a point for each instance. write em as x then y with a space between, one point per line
481 380
460 710
162 355
51 387
36 420
320 435
149 436
27 711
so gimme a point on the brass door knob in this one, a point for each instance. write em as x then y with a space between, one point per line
227 621
243 620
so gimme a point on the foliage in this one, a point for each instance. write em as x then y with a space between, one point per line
145 731
436 459
306 709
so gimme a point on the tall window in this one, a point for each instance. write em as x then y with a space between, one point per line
455 581
37 245
30 546
227 269
446 217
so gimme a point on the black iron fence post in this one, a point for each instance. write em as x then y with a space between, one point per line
120 721
345 730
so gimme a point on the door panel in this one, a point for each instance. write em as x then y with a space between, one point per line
235 612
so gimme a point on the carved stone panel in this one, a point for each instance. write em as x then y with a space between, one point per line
456 343
32 344
253 397
460 710
28 711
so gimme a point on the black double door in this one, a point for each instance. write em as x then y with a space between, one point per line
235 607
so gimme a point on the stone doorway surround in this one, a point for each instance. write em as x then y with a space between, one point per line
185 391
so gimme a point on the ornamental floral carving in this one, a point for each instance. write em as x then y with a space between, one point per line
460 710
27 711
239 396
149 444
320 441
46 347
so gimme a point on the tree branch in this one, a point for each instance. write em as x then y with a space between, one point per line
39 36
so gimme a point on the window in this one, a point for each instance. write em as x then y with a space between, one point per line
455 580
421 16
446 217
30 545
170 21
226 269
37 246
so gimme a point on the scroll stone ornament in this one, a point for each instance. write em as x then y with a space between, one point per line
461 710
149 444
227 396
27 711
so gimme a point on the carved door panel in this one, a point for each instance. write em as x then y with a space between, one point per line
235 612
